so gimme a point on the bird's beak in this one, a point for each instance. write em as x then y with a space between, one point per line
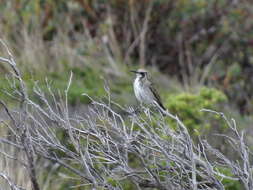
134 71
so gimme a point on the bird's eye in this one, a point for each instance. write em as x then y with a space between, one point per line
143 74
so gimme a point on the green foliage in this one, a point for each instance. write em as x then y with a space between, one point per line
4 87
112 181
229 184
85 80
124 183
187 107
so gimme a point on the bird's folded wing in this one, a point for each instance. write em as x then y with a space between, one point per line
156 95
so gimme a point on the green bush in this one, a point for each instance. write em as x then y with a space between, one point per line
83 81
187 107
229 184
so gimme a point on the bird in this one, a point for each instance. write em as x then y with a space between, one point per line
144 90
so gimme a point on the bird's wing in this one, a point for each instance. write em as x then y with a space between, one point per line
156 95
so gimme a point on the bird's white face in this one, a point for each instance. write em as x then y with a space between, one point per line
140 73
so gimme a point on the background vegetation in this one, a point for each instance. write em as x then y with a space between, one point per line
199 53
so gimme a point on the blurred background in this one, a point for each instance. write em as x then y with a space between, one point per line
198 52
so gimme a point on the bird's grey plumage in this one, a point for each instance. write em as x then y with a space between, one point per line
144 89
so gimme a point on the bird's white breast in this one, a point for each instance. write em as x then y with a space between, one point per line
142 92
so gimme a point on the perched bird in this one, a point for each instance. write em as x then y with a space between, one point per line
144 90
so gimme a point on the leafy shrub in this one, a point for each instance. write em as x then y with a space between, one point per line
229 184
84 80
188 107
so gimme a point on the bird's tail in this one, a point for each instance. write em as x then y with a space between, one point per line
161 107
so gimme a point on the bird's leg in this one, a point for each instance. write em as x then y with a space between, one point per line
132 110
147 112
143 108
137 109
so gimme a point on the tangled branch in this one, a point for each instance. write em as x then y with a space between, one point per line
105 148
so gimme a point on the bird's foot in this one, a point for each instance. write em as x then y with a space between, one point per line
134 110
147 112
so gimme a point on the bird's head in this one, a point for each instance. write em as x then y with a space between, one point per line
140 73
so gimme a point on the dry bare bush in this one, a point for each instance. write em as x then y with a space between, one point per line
111 144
